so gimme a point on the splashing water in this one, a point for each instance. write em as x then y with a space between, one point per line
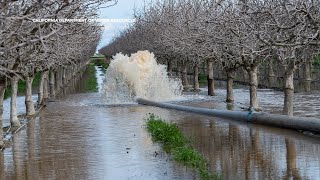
139 76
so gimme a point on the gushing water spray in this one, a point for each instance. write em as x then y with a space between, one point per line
139 76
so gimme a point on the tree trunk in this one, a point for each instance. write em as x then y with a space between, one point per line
230 78
52 84
271 76
169 68
179 71
245 75
67 74
196 77
307 77
28 99
253 78
75 70
45 87
203 68
61 78
40 90
72 71
311 70
288 91
185 82
296 74
79 67
64 76
307 85
42 86
58 78
2 90
210 78
57 81
13 104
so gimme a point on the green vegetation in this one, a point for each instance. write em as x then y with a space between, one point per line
7 93
316 61
99 61
230 106
202 79
22 86
175 143
91 84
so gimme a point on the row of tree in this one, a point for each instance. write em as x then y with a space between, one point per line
227 35
56 50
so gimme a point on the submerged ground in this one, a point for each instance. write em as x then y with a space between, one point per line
79 137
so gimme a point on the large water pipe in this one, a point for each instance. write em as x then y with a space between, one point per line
282 121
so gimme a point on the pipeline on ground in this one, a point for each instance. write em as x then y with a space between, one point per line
282 121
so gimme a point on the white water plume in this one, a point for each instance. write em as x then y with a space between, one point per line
139 76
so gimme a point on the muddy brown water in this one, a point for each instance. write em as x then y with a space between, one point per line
80 137
73 139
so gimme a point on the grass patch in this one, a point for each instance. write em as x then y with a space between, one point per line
91 84
202 79
175 143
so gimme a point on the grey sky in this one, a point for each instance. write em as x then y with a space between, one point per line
122 10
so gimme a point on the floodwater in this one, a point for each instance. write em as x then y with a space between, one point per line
80 137
73 139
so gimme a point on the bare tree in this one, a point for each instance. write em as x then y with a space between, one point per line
227 34
288 28
28 47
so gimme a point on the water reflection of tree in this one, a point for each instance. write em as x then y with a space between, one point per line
32 168
40 154
2 172
239 152
291 157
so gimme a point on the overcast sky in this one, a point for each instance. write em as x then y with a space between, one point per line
122 10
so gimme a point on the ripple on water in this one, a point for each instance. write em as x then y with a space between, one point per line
88 142
80 137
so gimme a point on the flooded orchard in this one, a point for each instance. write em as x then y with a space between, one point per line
75 139
79 136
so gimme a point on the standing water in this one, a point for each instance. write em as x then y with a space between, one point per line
79 137
139 76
